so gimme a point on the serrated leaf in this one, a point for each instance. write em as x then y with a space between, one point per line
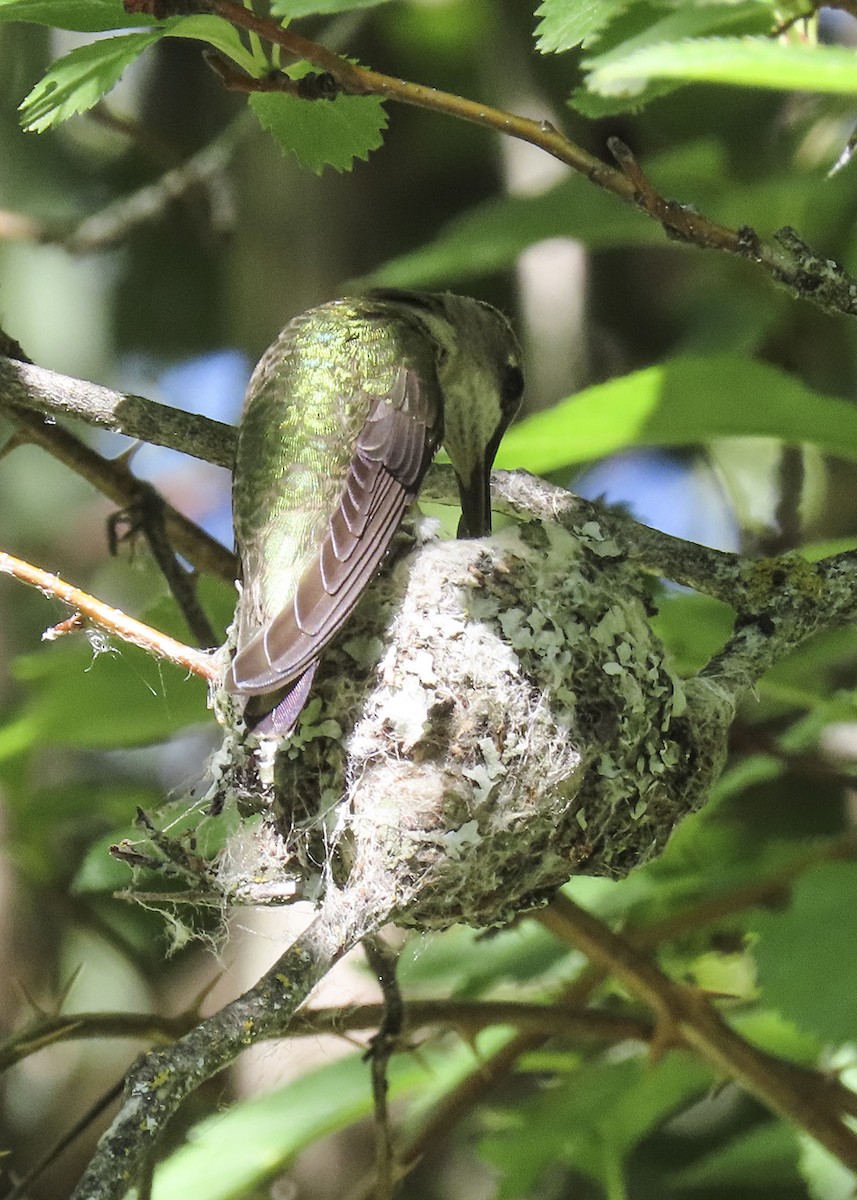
565 24
683 402
83 16
218 33
305 8
811 941
595 107
742 62
322 133
688 21
78 81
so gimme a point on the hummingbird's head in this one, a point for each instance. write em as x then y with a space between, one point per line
479 369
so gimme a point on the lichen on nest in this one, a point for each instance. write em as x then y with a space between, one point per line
497 716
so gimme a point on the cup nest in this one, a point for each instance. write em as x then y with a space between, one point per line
497 716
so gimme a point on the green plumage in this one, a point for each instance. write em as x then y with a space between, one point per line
342 418
308 399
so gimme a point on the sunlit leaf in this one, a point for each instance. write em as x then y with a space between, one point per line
322 133
682 402
84 16
78 81
219 34
743 62
567 23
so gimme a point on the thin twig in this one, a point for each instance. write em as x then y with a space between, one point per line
112 620
23 1186
116 221
114 478
383 1045
149 516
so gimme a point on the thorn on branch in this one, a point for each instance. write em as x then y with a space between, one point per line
749 243
680 222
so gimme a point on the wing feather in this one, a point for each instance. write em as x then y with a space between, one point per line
391 456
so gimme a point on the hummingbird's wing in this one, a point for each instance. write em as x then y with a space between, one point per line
391 456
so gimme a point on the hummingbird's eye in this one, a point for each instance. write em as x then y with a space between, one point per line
511 387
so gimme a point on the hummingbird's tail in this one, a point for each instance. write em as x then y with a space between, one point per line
275 714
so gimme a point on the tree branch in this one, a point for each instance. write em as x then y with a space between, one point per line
111 620
781 601
114 223
804 1097
26 391
24 385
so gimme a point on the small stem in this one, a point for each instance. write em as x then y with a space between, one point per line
786 259
383 1045
149 515
112 620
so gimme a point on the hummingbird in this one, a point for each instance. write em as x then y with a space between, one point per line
342 418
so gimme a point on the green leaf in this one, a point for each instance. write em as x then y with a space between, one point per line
218 33
106 700
595 106
628 36
592 1121
79 80
83 16
743 62
765 1157
305 8
492 235
568 23
826 1177
322 133
813 941
460 962
683 402
240 1150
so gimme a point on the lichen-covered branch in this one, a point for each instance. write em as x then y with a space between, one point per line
160 1081
780 601
30 394
24 385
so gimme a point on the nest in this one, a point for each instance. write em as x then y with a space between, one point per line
497 716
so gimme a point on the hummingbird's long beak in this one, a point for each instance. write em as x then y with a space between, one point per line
475 496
